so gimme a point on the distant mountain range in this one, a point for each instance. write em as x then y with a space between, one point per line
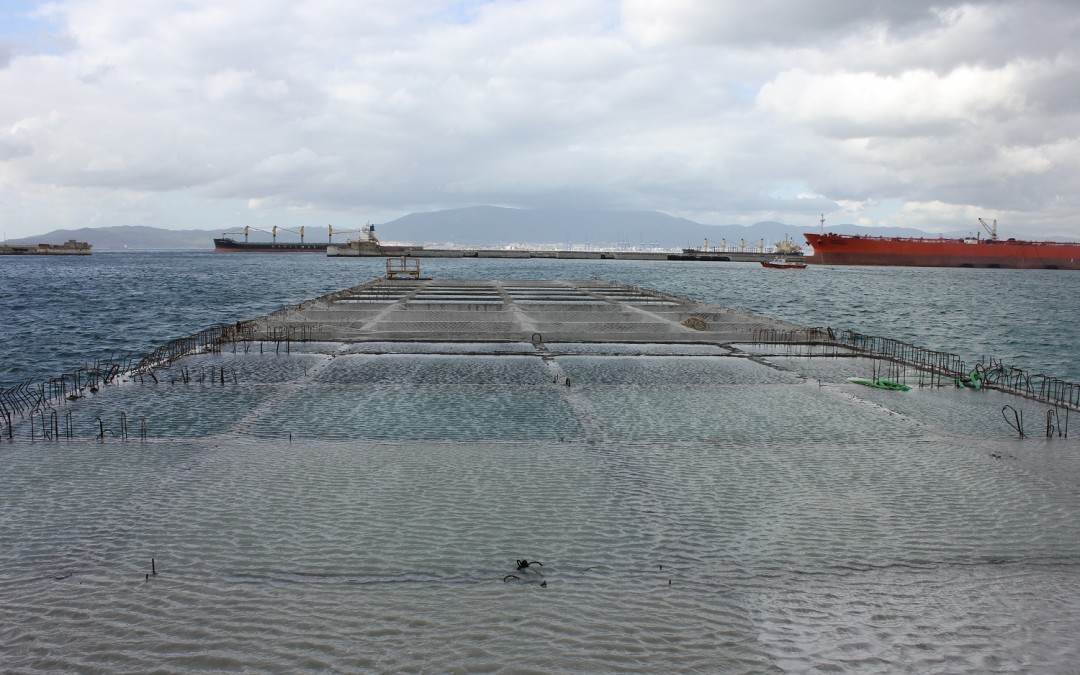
492 226
132 237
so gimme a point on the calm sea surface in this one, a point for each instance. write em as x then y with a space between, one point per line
360 508
61 313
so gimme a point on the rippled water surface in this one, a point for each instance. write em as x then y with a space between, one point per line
60 313
361 507
693 510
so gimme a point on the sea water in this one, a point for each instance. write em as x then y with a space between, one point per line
63 313
361 507
698 511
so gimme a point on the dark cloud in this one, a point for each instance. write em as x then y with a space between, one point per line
779 22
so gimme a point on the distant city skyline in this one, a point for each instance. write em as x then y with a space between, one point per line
201 115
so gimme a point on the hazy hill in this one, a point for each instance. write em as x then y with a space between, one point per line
495 225
131 237
492 226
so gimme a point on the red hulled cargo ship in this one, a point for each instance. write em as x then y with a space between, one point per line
845 249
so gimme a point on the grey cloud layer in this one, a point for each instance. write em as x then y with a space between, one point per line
920 114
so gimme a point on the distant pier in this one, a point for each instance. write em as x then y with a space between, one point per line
351 251
70 247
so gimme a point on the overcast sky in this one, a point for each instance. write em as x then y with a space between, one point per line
213 115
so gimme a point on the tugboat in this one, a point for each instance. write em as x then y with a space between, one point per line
782 263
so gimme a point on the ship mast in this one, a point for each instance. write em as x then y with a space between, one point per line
823 223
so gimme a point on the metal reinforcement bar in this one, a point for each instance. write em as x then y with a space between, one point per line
801 336
997 375
26 399
943 363
208 340
1035 386
211 340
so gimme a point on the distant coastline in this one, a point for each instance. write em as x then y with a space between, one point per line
495 227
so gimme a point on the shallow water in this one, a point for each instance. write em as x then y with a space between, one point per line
392 556
692 509
360 507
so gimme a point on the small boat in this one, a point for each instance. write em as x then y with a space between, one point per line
782 263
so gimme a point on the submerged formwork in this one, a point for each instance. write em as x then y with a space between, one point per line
483 311
351 484
551 320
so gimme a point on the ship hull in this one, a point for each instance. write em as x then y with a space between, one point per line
838 249
225 245
71 247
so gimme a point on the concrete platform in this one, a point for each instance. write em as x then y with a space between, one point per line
511 310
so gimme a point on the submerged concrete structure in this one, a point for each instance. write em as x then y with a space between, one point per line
352 484
507 310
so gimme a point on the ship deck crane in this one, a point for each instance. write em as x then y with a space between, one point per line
272 232
367 232
992 229
339 230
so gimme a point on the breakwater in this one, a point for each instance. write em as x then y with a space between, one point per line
333 251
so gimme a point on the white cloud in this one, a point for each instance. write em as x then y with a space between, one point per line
720 111
916 102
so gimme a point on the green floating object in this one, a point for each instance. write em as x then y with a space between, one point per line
972 381
879 383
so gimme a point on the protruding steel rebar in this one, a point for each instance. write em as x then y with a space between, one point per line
1017 422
